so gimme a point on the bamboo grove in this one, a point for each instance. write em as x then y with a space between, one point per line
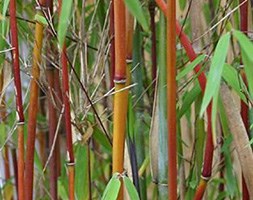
126 99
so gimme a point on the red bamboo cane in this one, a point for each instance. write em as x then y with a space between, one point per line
171 99
244 106
66 104
19 103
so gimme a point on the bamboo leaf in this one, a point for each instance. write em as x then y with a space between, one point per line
188 99
5 7
112 188
214 115
3 134
245 43
246 48
215 73
41 19
81 175
100 137
135 8
131 119
64 20
133 194
182 4
231 76
8 190
190 67
62 190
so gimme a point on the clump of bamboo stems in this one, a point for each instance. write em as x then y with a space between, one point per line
19 102
207 168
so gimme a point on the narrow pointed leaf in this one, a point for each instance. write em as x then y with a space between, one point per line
132 192
64 20
246 49
112 188
190 67
230 75
135 8
215 73
5 7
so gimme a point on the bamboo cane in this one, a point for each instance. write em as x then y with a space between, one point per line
66 104
52 116
153 40
112 47
19 103
208 158
33 107
244 106
120 98
171 99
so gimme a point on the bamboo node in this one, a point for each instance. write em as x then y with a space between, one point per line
20 123
129 61
119 81
241 67
69 164
205 178
40 8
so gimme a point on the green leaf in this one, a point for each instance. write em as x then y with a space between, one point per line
131 119
38 162
132 192
190 67
247 59
231 76
62 190
5 7
112 188
215 73
81 180
64 20
214 113
100 137
182 4
41 19
188 99
245 43
3 134
135 8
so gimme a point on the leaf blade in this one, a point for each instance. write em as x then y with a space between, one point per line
215 73
65 17
135 8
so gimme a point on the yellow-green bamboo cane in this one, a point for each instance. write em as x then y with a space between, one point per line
33 106
121 97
